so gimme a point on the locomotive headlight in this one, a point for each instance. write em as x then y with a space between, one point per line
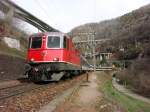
32 59
56 59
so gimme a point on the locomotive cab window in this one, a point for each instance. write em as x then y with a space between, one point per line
36 42
53 42
65 42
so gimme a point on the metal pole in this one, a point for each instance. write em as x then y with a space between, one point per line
94 58
87 76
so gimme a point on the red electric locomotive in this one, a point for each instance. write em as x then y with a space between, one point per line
50 56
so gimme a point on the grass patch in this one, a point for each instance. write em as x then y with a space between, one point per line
11 51
128 103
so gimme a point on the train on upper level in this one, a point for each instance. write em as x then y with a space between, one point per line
52 55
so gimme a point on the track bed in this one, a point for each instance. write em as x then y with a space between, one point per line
31 97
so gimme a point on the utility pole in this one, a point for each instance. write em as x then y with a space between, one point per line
94 57
89 43
91 39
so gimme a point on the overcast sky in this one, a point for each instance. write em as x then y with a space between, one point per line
66 14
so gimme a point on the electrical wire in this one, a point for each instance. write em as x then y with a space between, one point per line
44 10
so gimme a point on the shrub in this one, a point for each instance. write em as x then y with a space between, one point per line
137 77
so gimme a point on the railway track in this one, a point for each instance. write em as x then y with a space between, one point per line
18 90
33 96
14 90
10 83
11 90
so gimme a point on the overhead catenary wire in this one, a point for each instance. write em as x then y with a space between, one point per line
44 10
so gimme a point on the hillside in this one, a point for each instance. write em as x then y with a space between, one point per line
130 41
131 25
130 32
10 36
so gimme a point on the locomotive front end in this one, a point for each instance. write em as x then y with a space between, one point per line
44 49
50 53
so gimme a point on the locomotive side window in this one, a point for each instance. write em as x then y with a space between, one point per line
29 41
65 43
53 42
36 42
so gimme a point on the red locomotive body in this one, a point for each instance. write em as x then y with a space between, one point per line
51 53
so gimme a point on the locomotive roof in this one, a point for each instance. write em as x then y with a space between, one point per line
49 34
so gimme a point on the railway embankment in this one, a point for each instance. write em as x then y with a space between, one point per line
30 97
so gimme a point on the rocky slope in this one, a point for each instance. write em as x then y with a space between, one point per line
13 47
